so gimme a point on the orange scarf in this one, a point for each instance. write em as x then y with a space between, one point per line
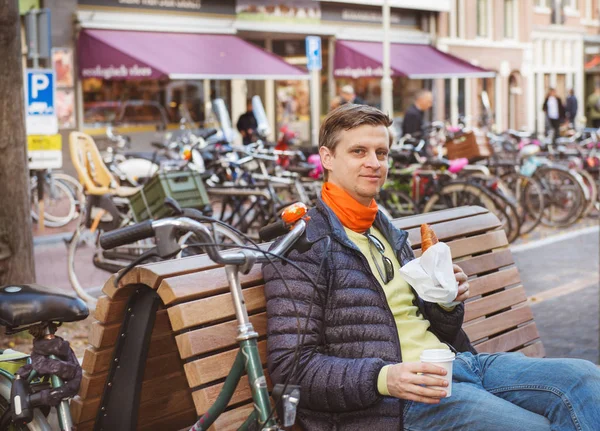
352 214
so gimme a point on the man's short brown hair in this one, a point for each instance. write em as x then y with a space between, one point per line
346 117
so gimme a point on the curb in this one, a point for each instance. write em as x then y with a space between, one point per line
51 239
554 238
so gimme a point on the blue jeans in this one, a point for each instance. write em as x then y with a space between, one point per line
511 392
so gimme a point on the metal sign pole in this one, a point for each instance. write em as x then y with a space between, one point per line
314 65
39 45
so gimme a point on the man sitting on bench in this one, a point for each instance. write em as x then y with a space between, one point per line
363 328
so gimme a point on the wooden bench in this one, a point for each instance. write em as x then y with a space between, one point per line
193 345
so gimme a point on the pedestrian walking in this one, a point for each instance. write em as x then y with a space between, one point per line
555 112
247 124
414 117
571 107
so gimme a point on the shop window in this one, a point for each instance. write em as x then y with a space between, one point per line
558 12
509 19
483 29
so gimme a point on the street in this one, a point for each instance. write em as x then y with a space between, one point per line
560 276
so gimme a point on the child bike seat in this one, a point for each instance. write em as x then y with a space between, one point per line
25 304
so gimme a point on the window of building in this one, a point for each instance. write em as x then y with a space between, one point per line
572 4
483 29
509 19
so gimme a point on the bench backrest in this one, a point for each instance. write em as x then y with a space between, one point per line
193 342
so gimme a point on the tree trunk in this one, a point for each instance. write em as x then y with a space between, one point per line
16 241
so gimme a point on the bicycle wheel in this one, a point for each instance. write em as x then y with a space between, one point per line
529 196
59 203
459 194
563 197
506 208
398 203
590 184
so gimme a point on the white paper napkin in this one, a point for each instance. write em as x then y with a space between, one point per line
432 275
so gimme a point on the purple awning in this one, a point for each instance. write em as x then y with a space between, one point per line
364 59
117 54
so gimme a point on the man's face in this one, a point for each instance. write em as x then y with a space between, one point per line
360 162
249 107
425 101
348 97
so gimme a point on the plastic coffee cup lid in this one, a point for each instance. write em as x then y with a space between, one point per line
437 355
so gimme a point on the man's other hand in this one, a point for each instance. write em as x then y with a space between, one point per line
463 284
403 381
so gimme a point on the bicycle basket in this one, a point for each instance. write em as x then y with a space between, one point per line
187 188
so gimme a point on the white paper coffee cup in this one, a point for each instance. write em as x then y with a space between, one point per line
442 358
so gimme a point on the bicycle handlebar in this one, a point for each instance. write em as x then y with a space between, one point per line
127 235
168 229
272 231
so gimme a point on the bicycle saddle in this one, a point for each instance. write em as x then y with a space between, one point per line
25 304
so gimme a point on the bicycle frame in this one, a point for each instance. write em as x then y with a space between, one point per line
247 359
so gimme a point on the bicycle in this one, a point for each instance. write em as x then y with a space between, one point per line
292 226
22 400
62 198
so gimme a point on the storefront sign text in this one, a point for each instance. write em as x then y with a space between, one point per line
223 7
368 15
119 72
359 72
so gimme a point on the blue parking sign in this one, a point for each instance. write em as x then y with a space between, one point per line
40 102
313 53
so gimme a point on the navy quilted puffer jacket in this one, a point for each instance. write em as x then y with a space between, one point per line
351 333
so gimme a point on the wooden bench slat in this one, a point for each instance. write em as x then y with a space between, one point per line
478 244
153 273
216 337
479 329
197 285
535 350
511 340
106 335
232 419
474 245
108 311
494 281
448 230
215 367
215 308
496 302
486 262
432 218
97 361
162 386
204 398
168 363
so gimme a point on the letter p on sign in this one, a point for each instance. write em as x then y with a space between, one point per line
38 83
